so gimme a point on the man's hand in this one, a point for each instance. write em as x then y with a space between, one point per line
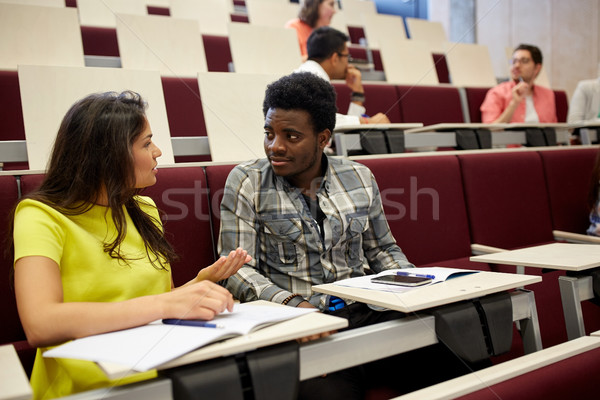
520 90
354 79
379 118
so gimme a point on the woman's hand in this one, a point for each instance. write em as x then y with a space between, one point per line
201 300
224 267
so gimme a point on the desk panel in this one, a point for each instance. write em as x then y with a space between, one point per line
464 287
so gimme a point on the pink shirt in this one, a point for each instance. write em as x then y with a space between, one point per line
303 30
497 99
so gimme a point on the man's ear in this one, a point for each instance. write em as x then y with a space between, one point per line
323 138
536 70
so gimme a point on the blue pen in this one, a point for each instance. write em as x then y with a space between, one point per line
405 273
190 322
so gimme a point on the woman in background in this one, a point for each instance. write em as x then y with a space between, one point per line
313 14
90 253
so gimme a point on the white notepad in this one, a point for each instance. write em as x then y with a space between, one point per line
146 347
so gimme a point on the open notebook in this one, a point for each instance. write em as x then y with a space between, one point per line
146 347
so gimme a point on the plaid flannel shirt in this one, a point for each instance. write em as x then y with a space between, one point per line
262 213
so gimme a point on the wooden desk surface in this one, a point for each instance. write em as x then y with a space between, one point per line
450 127
378 127
456 289
305 325
563 256
494 127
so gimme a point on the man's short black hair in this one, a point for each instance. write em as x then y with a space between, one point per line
536 53
323 42
304 91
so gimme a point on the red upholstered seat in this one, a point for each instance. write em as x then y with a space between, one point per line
571 378
429 104
30 182
562 105
356 33
155 10
184 111
379 98
239 18
568 177
11 113
216 176
475 97
99 41
506 199
441 67
424 205
360 53
182 195
218 53
11 326
508 207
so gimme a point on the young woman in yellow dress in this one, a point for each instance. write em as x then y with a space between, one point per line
90 254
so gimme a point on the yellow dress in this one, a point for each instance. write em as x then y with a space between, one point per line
88 274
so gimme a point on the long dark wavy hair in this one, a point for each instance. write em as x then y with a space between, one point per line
92 155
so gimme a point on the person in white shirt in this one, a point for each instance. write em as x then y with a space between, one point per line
329 58
585 104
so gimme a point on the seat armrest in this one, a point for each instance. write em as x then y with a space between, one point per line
480 249
13 379
575 237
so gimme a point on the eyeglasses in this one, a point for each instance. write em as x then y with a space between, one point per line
350 59
522 60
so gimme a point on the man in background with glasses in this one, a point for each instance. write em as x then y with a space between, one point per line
519 100
329 58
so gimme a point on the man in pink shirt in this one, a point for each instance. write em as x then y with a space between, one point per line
519 100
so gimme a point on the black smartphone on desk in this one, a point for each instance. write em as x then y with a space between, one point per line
402 280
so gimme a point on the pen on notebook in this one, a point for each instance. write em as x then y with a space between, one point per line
190 322
406 273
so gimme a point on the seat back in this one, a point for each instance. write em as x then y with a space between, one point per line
212 15
271 13
30 34
431 32
44 106
568 177
379 98
216 176
430 104
252 55
11 326
100 41
218 52
441 67
232 105
562 105
407 62
506 197
11 113
475 97
184 111
378 26
103 13
469 65
424 205
181 193
169 45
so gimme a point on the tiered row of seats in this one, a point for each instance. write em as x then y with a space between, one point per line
426 104
437 208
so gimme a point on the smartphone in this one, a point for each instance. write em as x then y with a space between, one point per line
402 280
